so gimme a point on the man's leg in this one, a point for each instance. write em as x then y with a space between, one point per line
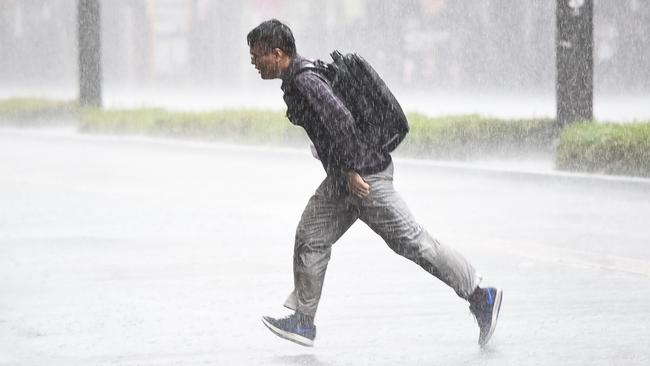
326 217
387 214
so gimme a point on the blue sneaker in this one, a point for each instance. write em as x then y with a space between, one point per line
485 304
291 329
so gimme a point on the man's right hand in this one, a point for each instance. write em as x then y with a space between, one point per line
356 185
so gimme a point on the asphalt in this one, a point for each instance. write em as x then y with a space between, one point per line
133 251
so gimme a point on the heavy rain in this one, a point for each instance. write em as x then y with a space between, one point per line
151 184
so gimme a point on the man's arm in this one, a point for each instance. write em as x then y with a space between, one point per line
339 123
333 115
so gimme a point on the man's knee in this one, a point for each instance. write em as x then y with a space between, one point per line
404 235
314 239
308 254
412 244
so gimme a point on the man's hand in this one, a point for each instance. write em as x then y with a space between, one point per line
356 185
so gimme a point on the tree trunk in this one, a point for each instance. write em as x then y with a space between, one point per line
90 55
574 60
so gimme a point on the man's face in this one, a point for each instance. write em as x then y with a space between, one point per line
265 62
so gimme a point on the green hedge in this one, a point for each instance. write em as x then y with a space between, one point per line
242 125
465 137
29 110
605 148
445 137
588 147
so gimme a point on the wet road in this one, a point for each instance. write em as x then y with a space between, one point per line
149 252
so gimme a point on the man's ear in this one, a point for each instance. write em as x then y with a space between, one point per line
277 53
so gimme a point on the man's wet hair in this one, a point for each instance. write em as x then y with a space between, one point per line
272 34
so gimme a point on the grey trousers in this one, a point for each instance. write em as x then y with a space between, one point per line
329 215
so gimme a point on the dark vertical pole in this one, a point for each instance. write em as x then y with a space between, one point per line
90 55
574 60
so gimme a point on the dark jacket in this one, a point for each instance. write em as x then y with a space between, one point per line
313 105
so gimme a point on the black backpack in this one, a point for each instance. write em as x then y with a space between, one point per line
377 113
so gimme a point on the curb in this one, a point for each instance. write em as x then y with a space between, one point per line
550 175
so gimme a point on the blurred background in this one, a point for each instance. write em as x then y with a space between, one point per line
494 57
145 236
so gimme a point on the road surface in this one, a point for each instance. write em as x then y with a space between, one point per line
132 251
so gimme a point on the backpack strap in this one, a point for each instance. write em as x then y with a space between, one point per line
319 67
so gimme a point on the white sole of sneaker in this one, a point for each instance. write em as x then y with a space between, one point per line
303 341
495 316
